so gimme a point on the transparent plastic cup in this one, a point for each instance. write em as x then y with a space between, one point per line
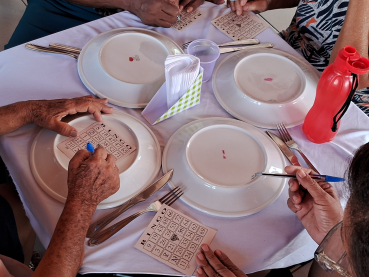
208 53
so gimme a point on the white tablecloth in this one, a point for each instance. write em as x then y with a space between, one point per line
271 238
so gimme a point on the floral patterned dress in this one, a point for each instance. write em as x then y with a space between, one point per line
313 33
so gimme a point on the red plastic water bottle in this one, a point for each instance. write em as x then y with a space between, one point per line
334 92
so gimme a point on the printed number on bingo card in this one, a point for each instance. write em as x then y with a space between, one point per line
174 239
98 134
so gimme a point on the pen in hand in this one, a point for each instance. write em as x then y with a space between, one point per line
319 178
90 148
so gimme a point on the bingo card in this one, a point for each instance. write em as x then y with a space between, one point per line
187 19
98 134
239 27
174 239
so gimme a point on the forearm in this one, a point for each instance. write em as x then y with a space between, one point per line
66 249
15 115
355 32
121 4
282 4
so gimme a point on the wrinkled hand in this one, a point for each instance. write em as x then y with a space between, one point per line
214 264
92 178
320 209
256 6
49 113
162 13
191 5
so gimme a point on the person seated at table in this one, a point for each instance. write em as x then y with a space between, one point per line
320 29
45 17
91 179
319 210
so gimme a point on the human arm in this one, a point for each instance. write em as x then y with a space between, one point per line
258 6
355 32
216 264
48 113
91 179
162 13
190 5
318 208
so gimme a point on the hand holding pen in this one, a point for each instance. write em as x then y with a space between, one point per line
318 208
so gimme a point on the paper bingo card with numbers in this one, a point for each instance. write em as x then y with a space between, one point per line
174 239
187 19
239 27
98 134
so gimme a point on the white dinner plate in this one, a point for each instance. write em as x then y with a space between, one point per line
137 171
126 65
266 86
214 160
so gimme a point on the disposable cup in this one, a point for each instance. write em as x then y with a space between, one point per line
208 53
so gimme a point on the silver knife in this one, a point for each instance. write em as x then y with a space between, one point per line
284 148
233 49
101 223
241 42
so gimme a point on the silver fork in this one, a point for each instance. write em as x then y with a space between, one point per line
167 199
286 137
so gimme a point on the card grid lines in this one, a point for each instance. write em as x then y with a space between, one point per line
175 239
98 134
240 27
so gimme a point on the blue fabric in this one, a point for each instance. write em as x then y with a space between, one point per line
45 17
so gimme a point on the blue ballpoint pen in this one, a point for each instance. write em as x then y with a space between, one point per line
320 178
90 147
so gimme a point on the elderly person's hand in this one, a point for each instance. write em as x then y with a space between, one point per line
49 113
191 5
92 178
256 6
214 264
162 13
318 207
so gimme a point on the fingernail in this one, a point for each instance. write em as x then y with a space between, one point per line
295 198
297 206
200 256
205 247
73 133
218 252
301 174
189 9
199 271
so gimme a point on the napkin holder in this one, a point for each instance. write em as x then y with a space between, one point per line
157 109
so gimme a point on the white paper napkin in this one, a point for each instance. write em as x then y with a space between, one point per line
180 73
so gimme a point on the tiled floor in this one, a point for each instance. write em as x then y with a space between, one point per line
12 10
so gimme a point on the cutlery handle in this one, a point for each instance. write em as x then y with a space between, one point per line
241 42
101 223
110 231
48 50
308 162
74 50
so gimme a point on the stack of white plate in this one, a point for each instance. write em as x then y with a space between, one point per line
49 165
266 86
126 65
214 162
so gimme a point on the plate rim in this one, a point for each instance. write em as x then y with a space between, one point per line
116 203
211 211
87 84
256 51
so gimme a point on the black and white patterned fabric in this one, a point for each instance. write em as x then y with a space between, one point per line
313 33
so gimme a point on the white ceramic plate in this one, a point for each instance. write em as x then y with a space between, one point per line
126 65
266 86
218 193
137 171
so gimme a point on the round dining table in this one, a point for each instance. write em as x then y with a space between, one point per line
271 238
